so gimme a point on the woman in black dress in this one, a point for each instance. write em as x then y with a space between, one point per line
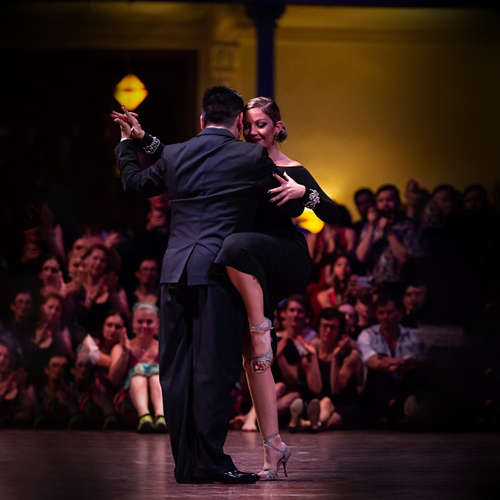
270 265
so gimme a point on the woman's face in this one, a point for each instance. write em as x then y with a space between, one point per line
145 323
112 328
49 269
96 262
258 128
75 267
341 268
4 358
52 310
350 315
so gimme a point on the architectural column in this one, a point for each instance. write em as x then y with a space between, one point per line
265 16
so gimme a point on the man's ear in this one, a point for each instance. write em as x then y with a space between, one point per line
202 122
239 123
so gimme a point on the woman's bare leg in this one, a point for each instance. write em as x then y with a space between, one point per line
327 409
155 394
263 392
139 394
251 293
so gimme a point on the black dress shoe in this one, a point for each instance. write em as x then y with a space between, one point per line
236 477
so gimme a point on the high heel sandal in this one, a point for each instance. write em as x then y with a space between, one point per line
272 474
264 326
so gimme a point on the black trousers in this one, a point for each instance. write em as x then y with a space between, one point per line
201 331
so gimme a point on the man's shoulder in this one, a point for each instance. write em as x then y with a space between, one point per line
407 331
370 332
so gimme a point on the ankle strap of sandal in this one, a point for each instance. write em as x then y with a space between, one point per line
266 441
263 326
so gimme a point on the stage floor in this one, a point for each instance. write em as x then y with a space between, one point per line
368 465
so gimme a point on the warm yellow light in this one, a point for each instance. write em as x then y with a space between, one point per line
309 221
130 92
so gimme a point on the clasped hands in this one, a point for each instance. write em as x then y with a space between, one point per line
129 125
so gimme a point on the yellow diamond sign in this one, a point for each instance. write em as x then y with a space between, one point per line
130 92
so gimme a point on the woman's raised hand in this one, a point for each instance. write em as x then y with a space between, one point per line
287 190
129 125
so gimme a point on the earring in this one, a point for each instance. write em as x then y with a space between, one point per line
276 137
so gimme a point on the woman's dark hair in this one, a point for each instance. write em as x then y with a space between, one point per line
339 286
115 312
303 301
99 246
61 300
270 108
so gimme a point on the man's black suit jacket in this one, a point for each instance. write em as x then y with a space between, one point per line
214 182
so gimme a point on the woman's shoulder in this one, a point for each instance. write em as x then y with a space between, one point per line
288 163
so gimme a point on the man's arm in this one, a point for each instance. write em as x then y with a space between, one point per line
136 182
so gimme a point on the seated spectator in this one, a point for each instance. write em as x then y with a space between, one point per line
50 336
16 400
363 309
20 327
416 199
55 407
134 364
415 304
98 355
391 353
339 279
349 313
293 353
333 239
92 399
74 272
41 237
442 203
364 200
51 276
97 294
152 240
388 240
337 405
148 289
475 199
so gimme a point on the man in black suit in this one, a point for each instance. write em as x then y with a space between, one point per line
214 182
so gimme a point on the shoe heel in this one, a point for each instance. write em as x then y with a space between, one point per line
286 456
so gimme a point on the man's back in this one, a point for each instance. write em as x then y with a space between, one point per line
213 184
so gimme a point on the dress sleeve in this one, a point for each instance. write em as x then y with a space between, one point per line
314 198
151 146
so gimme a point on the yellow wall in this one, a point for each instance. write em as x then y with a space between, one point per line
369 95
372 96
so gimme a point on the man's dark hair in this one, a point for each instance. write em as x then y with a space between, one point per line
329 314
221 106
384 299
388 187
363 191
